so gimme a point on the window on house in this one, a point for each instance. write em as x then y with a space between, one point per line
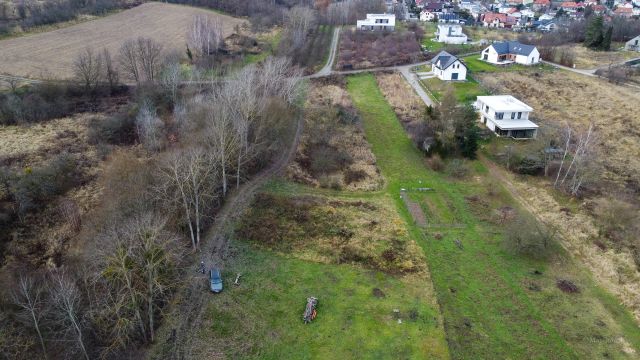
519 115
499 115
486 108
513 115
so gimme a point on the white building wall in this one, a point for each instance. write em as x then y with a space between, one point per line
447 74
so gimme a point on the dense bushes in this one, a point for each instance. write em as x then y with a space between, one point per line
117 129
34 187
526 237
362 49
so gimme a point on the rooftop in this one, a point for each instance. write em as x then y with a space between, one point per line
504 103
513 47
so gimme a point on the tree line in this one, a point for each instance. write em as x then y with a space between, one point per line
192 139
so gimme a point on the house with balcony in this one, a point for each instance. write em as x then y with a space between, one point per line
450 34
509 52
506 116
633 44
377 22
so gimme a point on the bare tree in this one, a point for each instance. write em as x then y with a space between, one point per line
171 77
29 296
87 67
110 69
204 35
582 153
140 59
187 178
298 22
149 127
149 52
12 81
67 305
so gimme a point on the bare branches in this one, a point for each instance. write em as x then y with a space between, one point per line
87 67
186 178
581 151
67 308
205 35
140 59
149 127
30 298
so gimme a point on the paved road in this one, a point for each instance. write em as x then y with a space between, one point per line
412 79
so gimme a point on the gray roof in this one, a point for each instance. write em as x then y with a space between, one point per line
445 59
513 47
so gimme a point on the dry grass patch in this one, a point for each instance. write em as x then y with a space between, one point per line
333 152
369 233
51 54
22 146
405 102
614 270
586 58
479 33
561 98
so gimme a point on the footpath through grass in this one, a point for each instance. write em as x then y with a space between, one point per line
495 305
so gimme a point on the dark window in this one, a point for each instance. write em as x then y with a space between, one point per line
486 108
519 115
513 115
499 116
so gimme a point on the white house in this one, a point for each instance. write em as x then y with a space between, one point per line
450 34
427 15
506 116
633 44
508 52
448 67
383 22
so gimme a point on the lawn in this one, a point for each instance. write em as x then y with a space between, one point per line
262 318
495 305
465 91
475 65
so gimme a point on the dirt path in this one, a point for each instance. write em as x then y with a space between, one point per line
175 340
614 271
326 70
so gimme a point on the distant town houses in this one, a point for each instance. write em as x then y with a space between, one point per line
518 15
506 116
633 44
509 52
377 22
447 67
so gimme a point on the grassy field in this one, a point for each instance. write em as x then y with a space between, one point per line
51 54
475 65
495 305
465 92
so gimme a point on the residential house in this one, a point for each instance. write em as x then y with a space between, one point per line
494 20
571 7
448 67
450 34
623 12
426 15
377 22
506 116
633 44
508 52
539 5
545 25
474 8
450 18
547 16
